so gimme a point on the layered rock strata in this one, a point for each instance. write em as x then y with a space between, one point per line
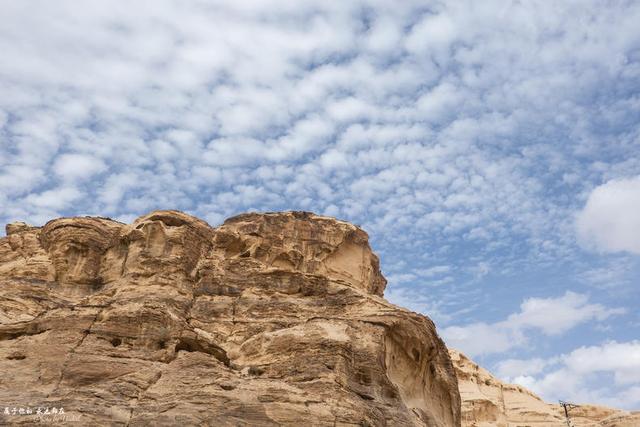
270 319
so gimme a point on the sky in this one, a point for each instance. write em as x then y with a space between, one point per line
490 149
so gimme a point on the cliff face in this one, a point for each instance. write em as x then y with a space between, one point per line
269 319
488 402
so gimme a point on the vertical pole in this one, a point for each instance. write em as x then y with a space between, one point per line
566 407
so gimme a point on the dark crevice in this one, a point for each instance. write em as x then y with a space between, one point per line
84 335
16 356
256 371
96 284
123 268
365 396
193 345
11 333
168 220
233 310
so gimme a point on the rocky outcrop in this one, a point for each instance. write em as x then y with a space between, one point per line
488 402
269 319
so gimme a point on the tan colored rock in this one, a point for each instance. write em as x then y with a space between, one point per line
488 402
17 227
270 319
341 254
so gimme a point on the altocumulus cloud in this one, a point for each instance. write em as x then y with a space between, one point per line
465 137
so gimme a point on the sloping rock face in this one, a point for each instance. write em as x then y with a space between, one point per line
270 319
488 402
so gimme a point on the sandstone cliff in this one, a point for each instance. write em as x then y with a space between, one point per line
488 402
269 319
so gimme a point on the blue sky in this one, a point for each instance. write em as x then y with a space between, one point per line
490 149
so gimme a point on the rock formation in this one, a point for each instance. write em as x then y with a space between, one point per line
488 402
270 319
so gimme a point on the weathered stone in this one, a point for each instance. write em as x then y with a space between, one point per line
270 319
17 227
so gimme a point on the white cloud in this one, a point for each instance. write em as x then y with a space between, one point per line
433 271
419 303
56 199
512 368
439 103
115 188
610 221
18 179
333 159
481 338
74 167
611 274
433 32
623 359
384 36
549 316
574 376
554 316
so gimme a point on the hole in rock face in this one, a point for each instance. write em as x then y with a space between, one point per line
416 354
16 356
227 387
186 345
96 284
254 370
162 344
168 220
116 342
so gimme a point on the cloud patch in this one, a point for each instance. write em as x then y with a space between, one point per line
75 167
575 375
610 220
549 316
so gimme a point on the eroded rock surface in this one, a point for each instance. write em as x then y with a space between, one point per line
488 402
269 319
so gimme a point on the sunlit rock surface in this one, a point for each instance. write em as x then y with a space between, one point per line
488 402
270 319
